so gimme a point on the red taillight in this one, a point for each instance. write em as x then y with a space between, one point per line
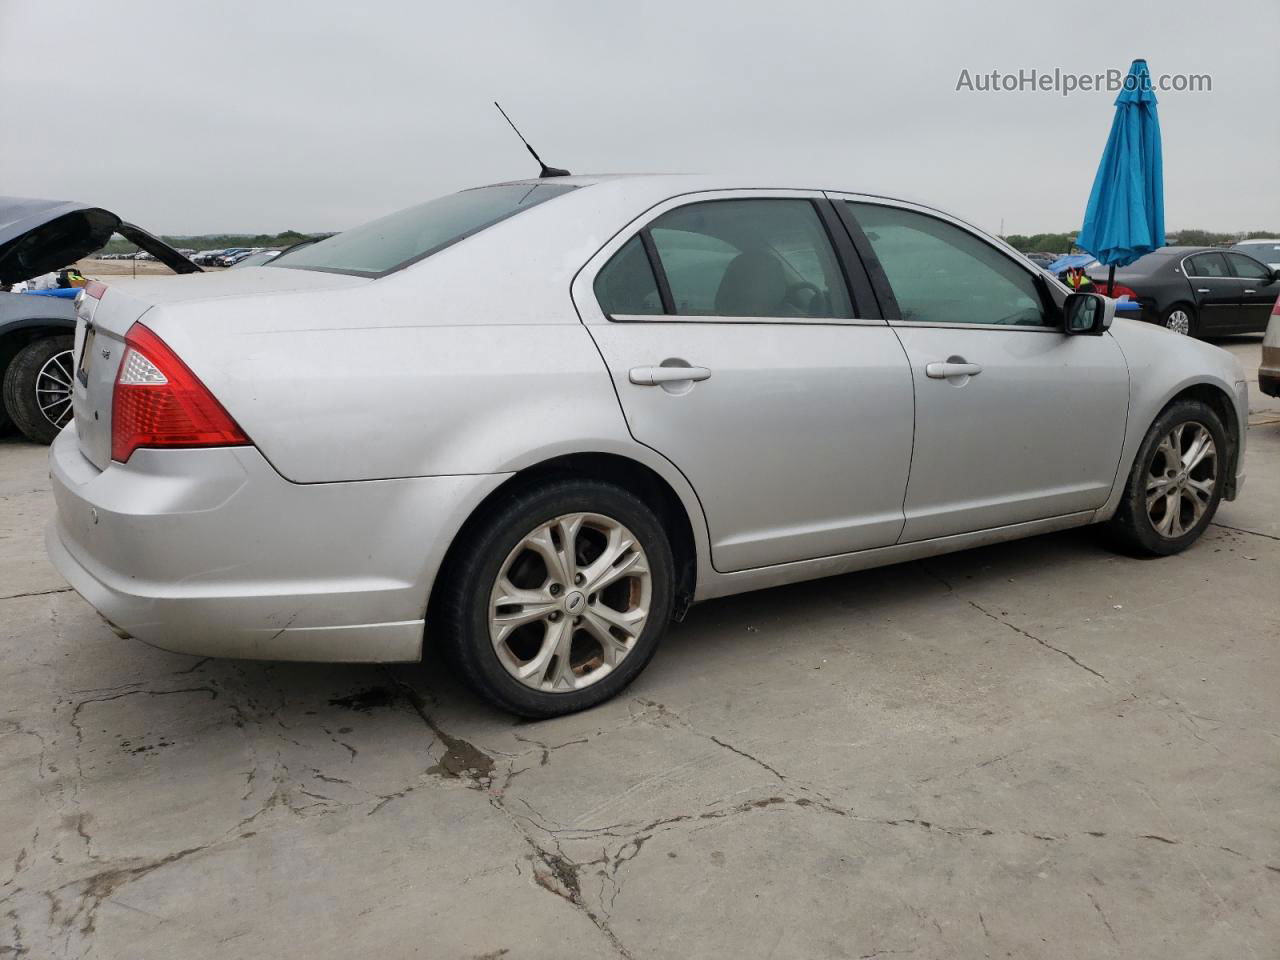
159 402
1275 311
1118 290
95 289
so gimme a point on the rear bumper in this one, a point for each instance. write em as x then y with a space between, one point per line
1269 372
211 552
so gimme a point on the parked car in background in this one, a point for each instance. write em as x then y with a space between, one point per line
1042 259
231 256
682 388
1269 370
256 259
1197 291
1266 251
36 360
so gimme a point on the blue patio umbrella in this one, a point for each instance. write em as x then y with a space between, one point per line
1125 216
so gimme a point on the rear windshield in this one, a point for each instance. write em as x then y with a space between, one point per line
395 241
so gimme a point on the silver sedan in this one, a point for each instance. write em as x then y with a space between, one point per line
532 422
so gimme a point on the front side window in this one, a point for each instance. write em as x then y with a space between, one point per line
1248 268
767 257
941 273
395 241
1208 265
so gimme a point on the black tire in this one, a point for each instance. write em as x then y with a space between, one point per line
19 390
1189 311
1132 528
461 606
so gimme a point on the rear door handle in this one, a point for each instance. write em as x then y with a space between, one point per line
1251 291
652 376
940 371
1202 290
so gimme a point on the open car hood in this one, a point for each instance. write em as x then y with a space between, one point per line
38 236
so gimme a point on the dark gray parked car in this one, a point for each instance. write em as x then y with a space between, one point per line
37 237
1198 291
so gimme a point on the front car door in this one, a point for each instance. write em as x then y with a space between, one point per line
744 352
1258 292
1015 421
1216 292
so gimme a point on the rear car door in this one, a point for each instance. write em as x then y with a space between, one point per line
1015 421
1216 292
743 353
1258 291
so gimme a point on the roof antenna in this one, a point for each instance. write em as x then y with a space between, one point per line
546 171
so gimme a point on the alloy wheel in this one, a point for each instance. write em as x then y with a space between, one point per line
570 602
1181 479
1179 321
53 388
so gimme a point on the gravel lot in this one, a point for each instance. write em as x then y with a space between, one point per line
1039 749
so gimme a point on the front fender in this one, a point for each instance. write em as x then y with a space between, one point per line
1163 365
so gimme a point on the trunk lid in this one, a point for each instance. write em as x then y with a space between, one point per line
39 236
102 323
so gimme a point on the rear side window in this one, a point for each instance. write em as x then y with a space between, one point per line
941 273
1208 265
750 258
767 258
394 242
626 285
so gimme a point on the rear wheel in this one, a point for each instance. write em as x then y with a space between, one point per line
1176 482
1181 318
559 599
37 387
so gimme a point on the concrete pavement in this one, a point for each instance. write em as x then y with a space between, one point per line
1040 749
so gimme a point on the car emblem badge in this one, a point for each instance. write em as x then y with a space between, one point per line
574 602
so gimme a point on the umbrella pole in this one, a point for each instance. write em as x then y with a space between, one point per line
1111 280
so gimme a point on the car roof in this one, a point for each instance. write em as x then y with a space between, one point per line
652 188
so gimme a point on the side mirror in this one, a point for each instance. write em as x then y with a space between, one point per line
1275 275
1087 313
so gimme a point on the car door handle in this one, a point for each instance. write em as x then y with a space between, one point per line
1251 291
652 376
1202 290
940 371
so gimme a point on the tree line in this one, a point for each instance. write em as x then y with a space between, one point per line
218 241
1065 242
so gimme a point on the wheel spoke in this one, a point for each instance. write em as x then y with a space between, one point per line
541 543
615 561
533 671
612 650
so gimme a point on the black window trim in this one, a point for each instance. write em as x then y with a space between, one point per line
850 267
884 289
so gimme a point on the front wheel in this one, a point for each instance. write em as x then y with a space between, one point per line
559 599
1176 482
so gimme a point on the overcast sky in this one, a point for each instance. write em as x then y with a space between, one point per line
262 116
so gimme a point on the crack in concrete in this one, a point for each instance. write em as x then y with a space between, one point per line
1107 923
1255 533
36 593
1016 629
464 761
1031 636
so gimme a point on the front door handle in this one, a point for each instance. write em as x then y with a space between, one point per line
1201 290
941 371
1251 291
653 376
